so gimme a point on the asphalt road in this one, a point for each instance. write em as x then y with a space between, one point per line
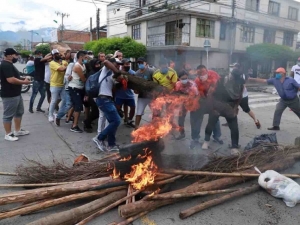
46 141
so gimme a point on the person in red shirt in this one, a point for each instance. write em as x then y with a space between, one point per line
206 81
187 87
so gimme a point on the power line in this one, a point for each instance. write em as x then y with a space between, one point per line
62 23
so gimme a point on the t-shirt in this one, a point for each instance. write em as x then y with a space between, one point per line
203 86
76 81
68 73
7 70
190 88
30 66
245 92
296 70
107 84
47 73
39 69
147 75
167 80
57 77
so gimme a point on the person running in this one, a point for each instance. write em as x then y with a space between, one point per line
11 85
287 89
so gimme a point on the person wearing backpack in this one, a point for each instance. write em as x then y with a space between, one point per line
105 103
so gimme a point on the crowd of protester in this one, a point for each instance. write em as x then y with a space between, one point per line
61 78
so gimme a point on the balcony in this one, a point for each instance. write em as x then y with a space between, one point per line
167 39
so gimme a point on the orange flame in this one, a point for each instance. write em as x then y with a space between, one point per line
115 174
142 174
125 159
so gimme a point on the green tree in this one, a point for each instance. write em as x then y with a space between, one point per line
18 47
128 46
262 52
25 53
44 48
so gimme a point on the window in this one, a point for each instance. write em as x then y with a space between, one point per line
205 28
136 31
274 8
223 29
252 5
247 34
293 13
269 36
288 38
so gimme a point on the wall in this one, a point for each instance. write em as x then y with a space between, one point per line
74 35
242 46
144 32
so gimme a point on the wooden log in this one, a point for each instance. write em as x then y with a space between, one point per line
133 218
73 216
190 194
8 174
140 206
104 210
141 85
49 203
206 173
48 192
244 191
32 185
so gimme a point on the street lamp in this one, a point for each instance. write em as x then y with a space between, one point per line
207 46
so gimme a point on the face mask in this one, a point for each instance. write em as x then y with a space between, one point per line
164 70
14 60
57 57
84 61
184 81
203 78
141 66
278 76
126 68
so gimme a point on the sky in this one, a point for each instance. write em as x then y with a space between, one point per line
35 14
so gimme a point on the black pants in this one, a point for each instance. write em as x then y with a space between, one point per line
48 92
226 110
94 113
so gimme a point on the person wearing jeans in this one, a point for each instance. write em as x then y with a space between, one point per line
38 86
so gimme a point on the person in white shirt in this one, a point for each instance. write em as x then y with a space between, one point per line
105 102
295 72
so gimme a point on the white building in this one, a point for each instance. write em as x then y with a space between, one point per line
177 29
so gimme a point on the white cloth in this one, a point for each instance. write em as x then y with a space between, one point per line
47 73
102 122
296 70
30 63
107 84
245 92
68 73
76 82
141 105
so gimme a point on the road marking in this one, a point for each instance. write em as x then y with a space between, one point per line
260 105
263 99
257 95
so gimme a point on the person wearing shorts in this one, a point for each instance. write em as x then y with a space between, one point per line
11 85
143 98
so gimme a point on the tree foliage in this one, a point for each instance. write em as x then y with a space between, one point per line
25 53
18 47
128 46
262 52
44 48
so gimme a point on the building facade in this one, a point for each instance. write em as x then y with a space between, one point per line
177 29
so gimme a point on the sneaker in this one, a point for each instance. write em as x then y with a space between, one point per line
274 128
130 123
235 152
57 121
76 129
258 125
40 110
181 136
205 145
50 119
88 129
100 144
10 137
219 141
113 148
21 132
194 143
31 110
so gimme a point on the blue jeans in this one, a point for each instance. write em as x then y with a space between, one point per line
55 93
38 86
66 105
109 109
196 118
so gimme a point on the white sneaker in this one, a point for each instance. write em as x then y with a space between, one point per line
205 145
10 137
21 132
100 144
235 152
50 119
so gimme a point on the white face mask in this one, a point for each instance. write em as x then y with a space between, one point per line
184 81
204 77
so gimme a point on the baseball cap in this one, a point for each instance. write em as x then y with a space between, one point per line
237 65
280 70
125 61
54 51
141 59
10 51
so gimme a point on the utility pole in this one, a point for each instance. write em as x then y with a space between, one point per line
32 32
62 23
232 38
91 29
98 23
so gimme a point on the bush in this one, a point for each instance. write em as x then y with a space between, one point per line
25 53
128 46
44 48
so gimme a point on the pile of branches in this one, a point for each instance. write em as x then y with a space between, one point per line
212 179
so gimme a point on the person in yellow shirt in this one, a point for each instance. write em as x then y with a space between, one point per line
57 69
165 76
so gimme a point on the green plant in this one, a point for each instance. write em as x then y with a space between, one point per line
44 48
25 53
128 46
